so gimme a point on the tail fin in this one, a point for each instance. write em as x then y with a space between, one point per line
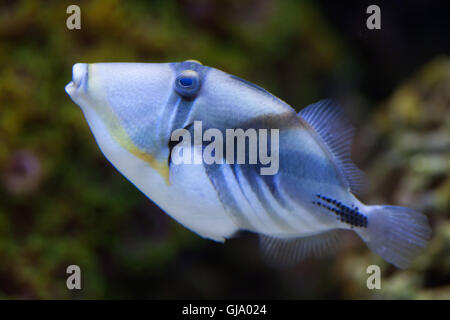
397 234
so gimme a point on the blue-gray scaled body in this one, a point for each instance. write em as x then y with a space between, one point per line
133 109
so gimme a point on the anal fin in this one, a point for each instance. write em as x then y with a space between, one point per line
287 252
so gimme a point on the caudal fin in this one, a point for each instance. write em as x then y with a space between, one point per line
397 234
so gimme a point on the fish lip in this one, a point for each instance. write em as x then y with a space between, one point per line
70 88
79 77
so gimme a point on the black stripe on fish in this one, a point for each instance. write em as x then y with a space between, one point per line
216 175
171 144
349 215
251 174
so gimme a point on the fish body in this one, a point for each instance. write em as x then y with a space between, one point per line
133 110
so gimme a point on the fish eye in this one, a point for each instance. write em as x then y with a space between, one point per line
187 84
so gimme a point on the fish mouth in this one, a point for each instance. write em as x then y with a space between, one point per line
79 77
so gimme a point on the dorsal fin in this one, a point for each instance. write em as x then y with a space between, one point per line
330 123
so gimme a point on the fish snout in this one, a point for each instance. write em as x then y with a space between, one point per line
79 73
79 77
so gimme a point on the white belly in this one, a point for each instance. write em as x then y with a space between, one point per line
190 198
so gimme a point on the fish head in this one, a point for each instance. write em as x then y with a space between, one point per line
139 105
125 99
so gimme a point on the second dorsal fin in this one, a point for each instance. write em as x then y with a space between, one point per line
330 123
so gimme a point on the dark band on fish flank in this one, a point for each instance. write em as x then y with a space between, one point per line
343 213
215 173
251 174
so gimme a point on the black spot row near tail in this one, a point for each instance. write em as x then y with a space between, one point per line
344 213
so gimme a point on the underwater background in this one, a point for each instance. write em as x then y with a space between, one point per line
62 202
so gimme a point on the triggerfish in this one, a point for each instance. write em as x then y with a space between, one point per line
298 209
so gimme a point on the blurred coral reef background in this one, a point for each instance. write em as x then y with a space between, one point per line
62 203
